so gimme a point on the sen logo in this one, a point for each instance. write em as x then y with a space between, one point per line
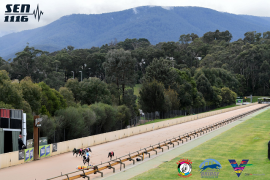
20 12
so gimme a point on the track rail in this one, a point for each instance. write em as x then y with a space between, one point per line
146 151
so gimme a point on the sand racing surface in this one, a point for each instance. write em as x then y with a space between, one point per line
65 163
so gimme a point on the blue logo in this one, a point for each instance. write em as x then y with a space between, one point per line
47 150
27 155
31 154
210 168
42 151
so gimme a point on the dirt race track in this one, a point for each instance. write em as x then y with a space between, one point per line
65 163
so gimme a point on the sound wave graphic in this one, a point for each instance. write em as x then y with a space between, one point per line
37 13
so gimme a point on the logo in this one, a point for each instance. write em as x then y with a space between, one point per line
20 13
27 155
210 168
47 150
31 154
184 168
239 169
42 151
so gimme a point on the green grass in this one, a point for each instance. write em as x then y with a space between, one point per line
255 98
225 107
248 140
159 120
137 89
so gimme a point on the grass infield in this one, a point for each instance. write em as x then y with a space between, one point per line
159 120
248 140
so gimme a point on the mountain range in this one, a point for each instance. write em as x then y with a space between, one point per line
153 23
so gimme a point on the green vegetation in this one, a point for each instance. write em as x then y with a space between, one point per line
170 74
159 120
255 98
246 141
225 107
137 89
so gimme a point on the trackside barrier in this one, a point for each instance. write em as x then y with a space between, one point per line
10 159
142 153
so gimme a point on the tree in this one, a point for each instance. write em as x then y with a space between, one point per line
266 35
99 110
48 128
10 92
123 115
70 121
89 118
73 85
264 76
5 106
2 61
209 37
217 98
204 86
55 80
169 48
51 99
252 37
120 69
162 71
172 99
94 90
24 62
152 97
31 93
185 39
94 62
68 96
133 44
130 101
228 96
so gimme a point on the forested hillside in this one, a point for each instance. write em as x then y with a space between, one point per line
193 72
153 23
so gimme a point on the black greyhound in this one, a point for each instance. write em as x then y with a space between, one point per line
111 154
86 160
76 151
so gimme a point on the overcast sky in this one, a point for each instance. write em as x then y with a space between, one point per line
54 9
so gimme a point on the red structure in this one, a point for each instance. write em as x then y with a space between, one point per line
5 113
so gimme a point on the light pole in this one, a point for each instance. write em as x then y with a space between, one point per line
73 74
89 73
81 75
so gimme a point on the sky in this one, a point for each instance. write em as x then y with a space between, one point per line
54 9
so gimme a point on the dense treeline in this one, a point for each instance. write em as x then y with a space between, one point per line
190 73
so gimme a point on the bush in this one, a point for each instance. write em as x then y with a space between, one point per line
70 120
228 96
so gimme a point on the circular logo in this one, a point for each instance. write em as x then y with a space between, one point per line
184 168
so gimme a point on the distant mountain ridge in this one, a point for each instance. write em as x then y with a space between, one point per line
154 23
